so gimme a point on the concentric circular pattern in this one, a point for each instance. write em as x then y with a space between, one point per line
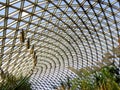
65 33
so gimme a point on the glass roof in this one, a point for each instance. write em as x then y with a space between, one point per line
42 38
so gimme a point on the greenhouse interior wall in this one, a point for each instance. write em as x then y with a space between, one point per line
44 44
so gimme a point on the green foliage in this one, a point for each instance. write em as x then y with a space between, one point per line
23 85
103 80
12 83
106 79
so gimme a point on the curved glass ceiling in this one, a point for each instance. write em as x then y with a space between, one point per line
43 38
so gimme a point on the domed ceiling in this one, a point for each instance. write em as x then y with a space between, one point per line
42 38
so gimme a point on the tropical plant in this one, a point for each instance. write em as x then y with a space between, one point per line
10 82
105 79
24 84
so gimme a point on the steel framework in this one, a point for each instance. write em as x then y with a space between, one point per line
42 38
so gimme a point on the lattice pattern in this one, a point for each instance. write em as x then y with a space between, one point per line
64 33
